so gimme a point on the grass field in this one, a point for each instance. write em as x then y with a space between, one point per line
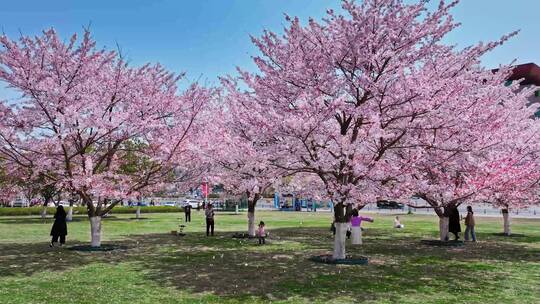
158 267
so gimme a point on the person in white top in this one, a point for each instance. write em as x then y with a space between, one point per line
397 224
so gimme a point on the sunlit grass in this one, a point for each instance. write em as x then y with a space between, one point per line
160 267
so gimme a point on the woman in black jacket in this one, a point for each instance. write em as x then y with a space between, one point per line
453 221
59 228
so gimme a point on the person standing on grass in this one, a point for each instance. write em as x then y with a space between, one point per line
469 225
356 222
187 212
59 228
209 214
453 221
261 233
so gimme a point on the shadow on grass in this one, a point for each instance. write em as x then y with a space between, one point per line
50 220
36 220
517 238
238 268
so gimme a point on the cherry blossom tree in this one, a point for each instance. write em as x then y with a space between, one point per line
8 194
466 157
35 188
235 156
90 123
515 178
8 187
353 99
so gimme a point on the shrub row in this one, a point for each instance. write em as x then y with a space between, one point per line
36 210
149 209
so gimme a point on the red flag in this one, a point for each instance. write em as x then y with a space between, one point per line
205 189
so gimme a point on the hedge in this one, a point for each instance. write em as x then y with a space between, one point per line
148 209
36 210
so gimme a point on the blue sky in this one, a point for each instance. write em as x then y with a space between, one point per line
208 38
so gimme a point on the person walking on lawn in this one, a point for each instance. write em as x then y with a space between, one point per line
59 228
187 212
209 214
469 225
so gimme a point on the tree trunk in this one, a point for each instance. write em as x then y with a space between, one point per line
506 218
251 223
138 212
443 228
236 209
43 212
441 212
69 216
339 240
95 231
251 215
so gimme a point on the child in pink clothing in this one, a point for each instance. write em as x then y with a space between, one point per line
261 233
356 222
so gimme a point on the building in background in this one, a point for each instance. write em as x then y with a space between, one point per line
530 73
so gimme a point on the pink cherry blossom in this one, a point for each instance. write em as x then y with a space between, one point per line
92 125
375 105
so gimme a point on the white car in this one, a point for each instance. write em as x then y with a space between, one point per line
20 202
64 203
192 203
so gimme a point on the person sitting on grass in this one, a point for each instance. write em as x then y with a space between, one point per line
397 223
261 233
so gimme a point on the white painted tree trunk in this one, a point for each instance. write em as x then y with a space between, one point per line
69 216
251 224
443 228
236 209
506 218
95 231
43 212
339 240
138 212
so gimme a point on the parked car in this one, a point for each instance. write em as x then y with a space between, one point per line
217 205
64 203
384 204
21 202
169 204
192 203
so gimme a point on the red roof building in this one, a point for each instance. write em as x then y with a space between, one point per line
529 72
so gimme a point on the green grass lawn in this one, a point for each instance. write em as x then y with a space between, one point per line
158 267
